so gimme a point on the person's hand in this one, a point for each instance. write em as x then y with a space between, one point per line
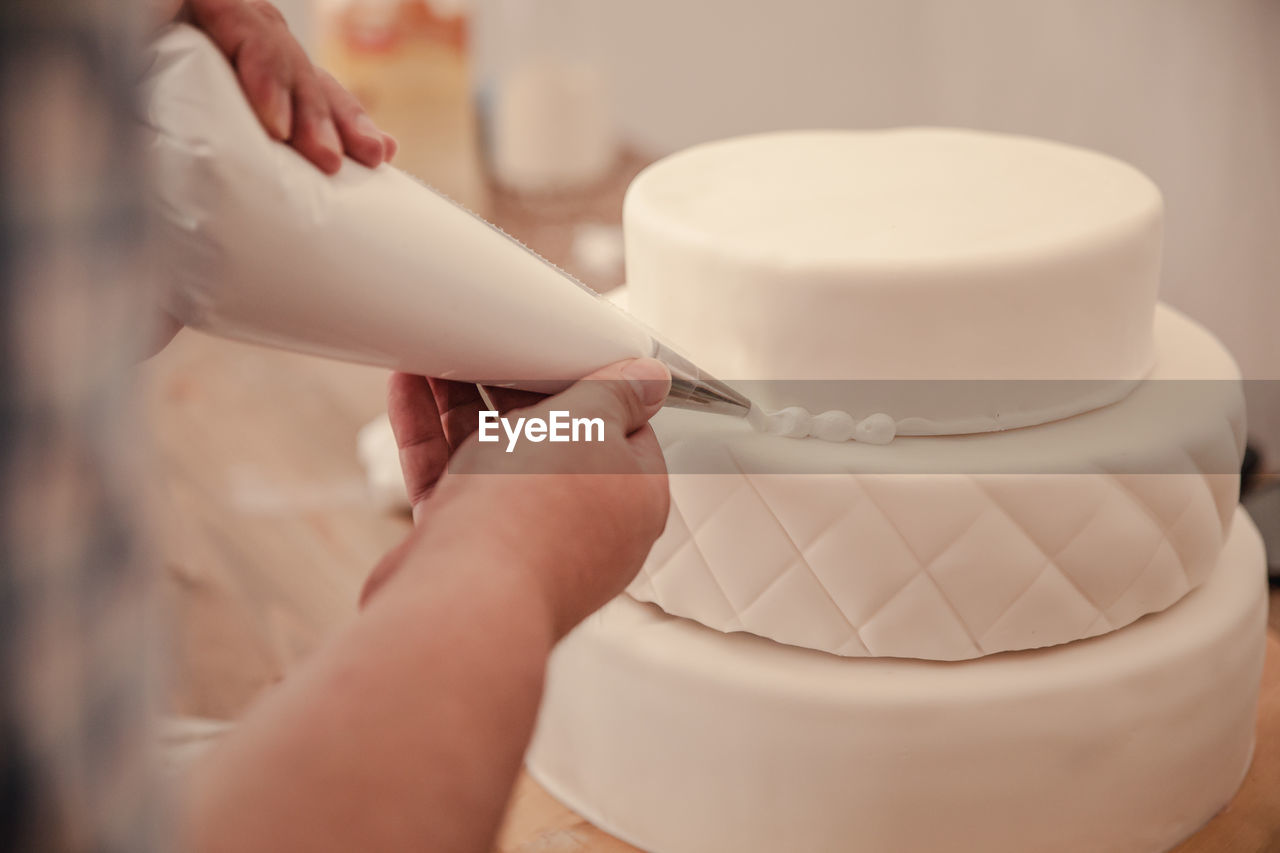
578 517
296 102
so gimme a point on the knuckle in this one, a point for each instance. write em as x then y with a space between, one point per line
259 60
311 100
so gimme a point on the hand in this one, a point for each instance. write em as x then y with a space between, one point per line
295 101
426 703
580 517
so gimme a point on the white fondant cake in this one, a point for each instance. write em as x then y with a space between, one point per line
1052 552
951 547
906 255
681 739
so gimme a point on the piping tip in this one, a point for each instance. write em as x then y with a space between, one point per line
693 388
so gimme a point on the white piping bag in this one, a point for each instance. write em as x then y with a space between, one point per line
368 265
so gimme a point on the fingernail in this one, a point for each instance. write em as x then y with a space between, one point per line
649 378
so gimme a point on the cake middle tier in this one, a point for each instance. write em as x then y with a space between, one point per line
949 548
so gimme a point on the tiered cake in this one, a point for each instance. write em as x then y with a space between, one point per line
1033 621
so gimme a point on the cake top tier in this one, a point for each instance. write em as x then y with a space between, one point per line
926 257
919 196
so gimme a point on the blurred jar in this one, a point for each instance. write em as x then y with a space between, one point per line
542 95
407 62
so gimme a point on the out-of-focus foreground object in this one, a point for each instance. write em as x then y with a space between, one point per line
75 633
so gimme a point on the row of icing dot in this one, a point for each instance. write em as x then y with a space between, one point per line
797 422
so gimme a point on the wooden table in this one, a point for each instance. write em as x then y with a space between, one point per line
265 533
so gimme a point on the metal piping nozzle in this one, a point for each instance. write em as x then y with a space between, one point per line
692 388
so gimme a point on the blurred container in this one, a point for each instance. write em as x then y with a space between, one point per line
542 94
406 60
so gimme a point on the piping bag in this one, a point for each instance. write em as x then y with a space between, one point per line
368 265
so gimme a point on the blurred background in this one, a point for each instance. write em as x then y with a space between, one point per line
536 114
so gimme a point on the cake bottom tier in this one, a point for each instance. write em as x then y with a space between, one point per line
680 739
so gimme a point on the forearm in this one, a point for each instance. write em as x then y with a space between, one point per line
405 734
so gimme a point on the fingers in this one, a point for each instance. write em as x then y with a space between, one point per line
626 394
254 37
296 102
420 436
265 77
459 404
361 138
314 133
647 450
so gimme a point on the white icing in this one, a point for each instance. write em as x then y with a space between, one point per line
918 255
757 418
791 422
833 426
950 547
678 738
367 265
876 429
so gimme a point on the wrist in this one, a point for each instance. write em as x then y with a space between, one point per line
463 558
504 520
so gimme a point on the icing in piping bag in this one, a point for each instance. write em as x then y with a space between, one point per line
368 265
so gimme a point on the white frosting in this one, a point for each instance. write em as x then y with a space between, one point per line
836 426
920 255
951 547
680 739
368 265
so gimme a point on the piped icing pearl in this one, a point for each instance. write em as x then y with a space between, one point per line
792 422
835 426
876 429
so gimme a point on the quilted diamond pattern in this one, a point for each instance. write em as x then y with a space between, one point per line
939 566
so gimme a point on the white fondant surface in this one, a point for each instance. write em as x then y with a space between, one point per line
680 739
903 255
953 547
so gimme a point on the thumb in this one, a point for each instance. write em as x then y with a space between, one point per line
626 393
